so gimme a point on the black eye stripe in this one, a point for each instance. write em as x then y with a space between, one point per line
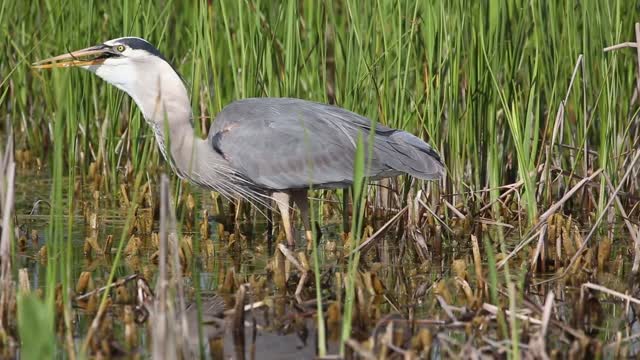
140 44
135 43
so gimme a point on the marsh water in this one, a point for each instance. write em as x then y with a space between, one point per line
285 327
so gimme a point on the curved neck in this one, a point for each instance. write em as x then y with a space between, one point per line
163 99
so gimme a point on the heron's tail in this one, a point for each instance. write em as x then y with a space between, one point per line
415 157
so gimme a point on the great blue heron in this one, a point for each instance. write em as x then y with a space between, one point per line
257 148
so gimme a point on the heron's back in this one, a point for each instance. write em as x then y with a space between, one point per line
284 143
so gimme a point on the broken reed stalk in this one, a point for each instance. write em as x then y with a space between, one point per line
477 263
627 298
559 121
517 249
117 283
458 214
546 313
453 209
176 278
367 243
169 340
7 159
494 310
289 255
620 46
238 323
163 343
539 252
7 172
637 92
511 188
538 343
6 282
302 266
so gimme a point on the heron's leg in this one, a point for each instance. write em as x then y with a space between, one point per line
282 199
302 201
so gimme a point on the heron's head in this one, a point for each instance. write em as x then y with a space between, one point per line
131 64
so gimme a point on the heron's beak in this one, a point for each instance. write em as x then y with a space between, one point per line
94 55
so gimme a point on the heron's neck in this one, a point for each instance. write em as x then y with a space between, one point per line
167 109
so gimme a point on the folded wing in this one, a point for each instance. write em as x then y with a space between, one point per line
281 143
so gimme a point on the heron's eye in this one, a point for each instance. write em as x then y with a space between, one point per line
120 48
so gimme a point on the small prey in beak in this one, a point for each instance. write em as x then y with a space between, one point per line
94 55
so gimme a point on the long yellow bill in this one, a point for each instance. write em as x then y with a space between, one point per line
94 55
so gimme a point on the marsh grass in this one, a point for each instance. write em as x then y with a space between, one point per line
478 92
481 81
360 171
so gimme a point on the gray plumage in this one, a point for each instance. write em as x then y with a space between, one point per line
283 143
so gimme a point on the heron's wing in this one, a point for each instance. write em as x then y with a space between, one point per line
281 143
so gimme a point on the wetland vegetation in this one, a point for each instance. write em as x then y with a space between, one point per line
529 247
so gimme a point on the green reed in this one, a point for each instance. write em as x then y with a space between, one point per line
419 66
359 172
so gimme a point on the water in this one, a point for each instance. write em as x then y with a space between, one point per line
286 327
